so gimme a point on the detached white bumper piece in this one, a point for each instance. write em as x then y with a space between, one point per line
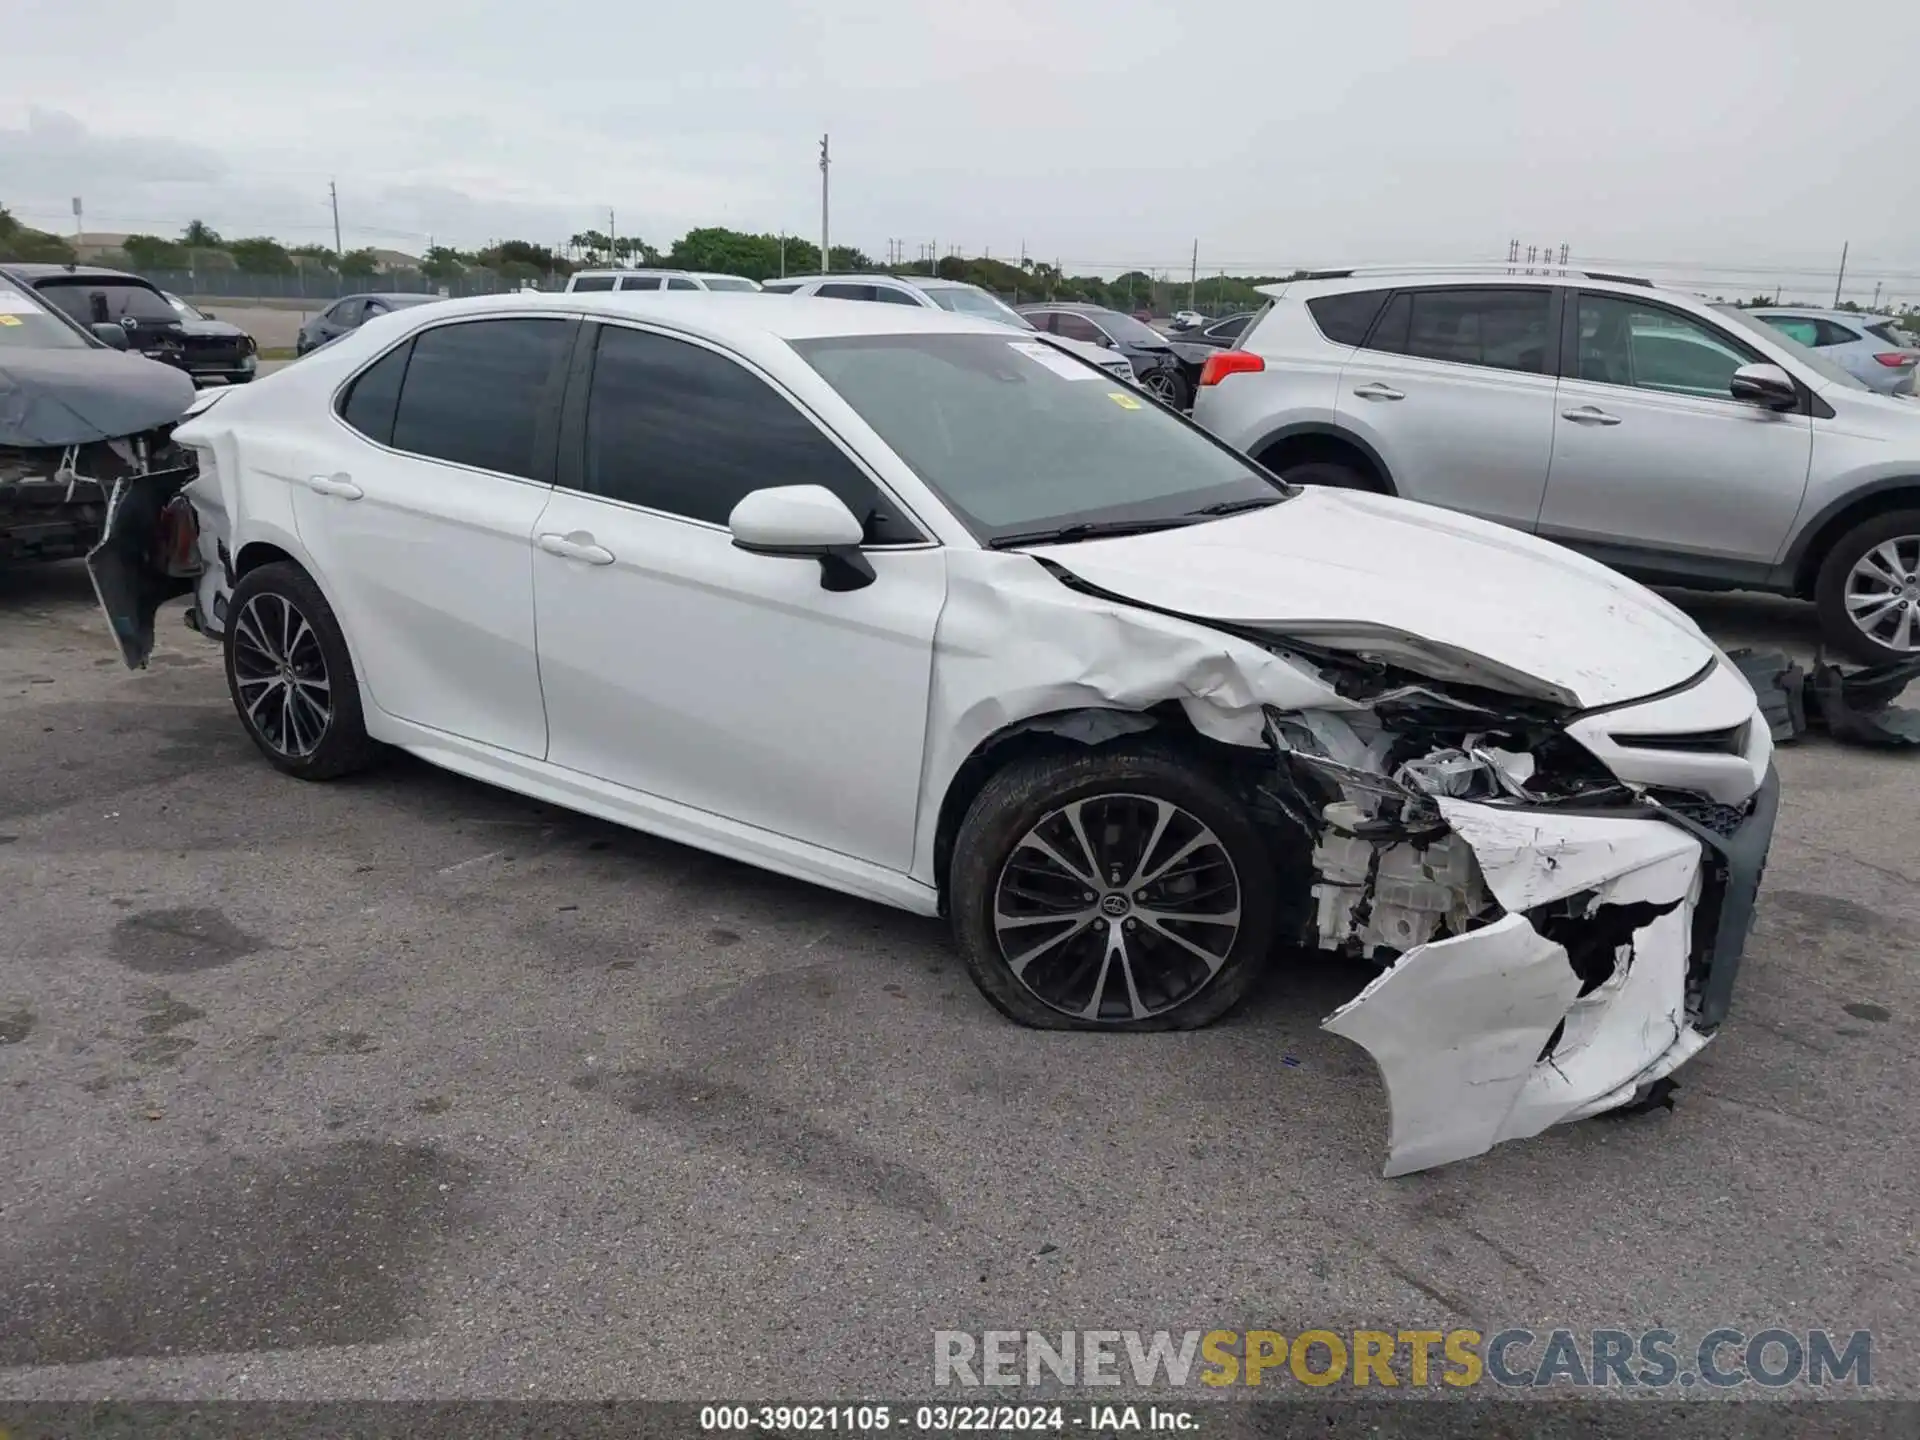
1610 968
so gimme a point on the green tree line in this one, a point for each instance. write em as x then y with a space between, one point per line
757 256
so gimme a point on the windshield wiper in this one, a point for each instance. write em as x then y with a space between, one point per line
1234 507
1086 530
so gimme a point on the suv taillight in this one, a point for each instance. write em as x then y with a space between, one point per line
1229 362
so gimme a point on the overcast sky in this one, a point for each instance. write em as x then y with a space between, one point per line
1709 134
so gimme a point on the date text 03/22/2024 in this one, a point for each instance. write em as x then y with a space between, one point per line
944 1419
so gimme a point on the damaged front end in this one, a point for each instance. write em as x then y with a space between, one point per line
1557 938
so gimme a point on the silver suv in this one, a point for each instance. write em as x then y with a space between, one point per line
1681 442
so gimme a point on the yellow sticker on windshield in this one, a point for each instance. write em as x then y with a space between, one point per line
1123 400
11 320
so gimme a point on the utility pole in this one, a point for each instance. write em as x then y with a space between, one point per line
825 161
1193 276
79 225
783 252
333 194
1838 279
612 235
1876 295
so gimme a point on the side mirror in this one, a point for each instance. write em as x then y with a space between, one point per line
208 315
109 334
804 522
1766 385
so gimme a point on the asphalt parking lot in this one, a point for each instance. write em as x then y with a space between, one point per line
407 1087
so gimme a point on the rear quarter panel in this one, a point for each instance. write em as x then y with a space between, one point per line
1300 384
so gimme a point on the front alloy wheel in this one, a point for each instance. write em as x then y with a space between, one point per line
1112 887
1117 907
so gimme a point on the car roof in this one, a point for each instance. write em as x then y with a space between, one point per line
1083 306
1427 277
644 270
395 297
41 270
730 315
917 282
1821 312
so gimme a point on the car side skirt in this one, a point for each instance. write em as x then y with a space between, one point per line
652 814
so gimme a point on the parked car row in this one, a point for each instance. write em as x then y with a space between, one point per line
1680 442
905 603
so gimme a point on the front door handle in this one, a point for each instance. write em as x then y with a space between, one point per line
577 546
1377 391
1589 415
340 486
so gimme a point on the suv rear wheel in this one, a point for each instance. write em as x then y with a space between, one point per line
1330 473
1868 590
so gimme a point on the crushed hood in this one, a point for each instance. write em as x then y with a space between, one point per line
76 397
1339 557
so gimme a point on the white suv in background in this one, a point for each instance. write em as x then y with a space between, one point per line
954 296
1681 442
657 280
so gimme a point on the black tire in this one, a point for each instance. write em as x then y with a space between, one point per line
264 615
1898 529
1121 786
1331 474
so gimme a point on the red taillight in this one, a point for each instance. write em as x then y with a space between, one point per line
1893 359
1223 363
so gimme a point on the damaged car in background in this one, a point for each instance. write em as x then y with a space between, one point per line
77 419
881 598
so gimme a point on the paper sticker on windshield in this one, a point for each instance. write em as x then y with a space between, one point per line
12 302
1124 400
11 320
1061 365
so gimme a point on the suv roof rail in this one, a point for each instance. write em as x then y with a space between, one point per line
1488 267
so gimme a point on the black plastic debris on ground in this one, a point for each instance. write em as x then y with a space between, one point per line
1852 706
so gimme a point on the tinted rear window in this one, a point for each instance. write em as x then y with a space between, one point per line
1345 319
593 282
1894 335
372 399
484 393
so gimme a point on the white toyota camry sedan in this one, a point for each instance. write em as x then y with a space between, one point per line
900 603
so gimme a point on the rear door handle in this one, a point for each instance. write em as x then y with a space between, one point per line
339 486
577 546
1377 391
1589 415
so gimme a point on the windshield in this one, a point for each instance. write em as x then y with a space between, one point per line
1812 359
119 300
728 282
1015 436
1125 329
26 324
965 300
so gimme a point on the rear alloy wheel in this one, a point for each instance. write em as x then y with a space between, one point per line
1868 591
1120 889
1166 387
290 676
